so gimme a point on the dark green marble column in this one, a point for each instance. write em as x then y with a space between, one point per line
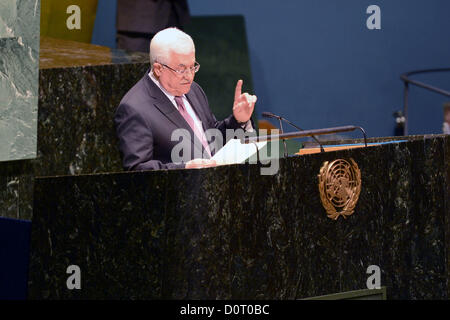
19 66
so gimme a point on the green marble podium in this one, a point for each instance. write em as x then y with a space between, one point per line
231 233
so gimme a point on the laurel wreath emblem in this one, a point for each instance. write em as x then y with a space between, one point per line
339 186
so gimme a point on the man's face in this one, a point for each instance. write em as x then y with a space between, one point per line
175 83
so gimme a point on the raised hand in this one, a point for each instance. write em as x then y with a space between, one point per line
243 105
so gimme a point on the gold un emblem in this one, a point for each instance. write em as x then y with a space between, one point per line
339 186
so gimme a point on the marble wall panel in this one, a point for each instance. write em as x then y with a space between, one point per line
19 65
125 239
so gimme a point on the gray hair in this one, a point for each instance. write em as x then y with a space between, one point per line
167 41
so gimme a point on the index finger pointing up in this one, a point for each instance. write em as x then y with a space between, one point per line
238 90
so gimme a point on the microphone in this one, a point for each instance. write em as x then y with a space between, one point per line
271 115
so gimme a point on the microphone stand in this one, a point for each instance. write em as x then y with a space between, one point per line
297 127
271 115
284 140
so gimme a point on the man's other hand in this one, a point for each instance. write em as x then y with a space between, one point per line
200 163
244 104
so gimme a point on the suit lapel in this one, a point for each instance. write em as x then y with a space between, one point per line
165 106
195 104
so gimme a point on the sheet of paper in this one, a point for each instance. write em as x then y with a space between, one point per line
236 152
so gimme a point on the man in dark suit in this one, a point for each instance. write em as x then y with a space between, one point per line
167 100
139 20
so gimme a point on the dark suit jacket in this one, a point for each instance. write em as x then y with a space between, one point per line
150 16
146 118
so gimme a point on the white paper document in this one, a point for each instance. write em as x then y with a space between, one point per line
236 152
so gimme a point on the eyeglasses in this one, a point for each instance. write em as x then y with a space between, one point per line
183 71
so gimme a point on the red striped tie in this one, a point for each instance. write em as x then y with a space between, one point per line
199 133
